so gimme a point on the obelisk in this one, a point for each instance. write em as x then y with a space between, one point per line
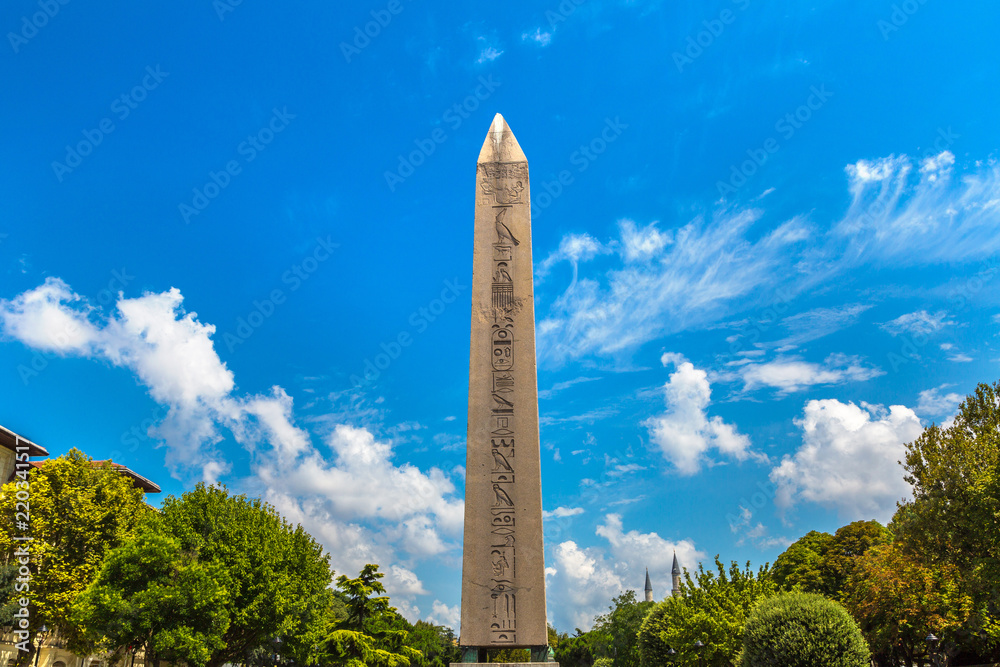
503 568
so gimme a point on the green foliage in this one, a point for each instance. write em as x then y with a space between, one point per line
373 634
604 662
150 592
212 579
616 633
79 512
954 516
822 563
800 567
712 608
802 630
508 655
897 600
436 643
8 601
576 651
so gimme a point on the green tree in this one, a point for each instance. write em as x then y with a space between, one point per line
616 634
954 516
800 566
214 578
436 643
577 650
712 608
802 630
8 601
152 595
898 600
849 543
373 634
79 512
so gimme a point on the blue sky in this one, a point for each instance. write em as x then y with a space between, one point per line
766 241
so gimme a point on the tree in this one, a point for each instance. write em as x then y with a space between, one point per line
898 600
373 634
616 633
152 595
214 577
712 608
800 566
436 643
954 516
821 563
802 630
576 651
79 512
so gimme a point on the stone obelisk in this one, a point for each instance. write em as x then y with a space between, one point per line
503 568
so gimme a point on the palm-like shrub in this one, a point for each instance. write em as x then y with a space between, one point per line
802 630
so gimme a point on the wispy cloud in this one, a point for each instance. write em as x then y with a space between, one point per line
560 386
936 403
539 37
901 213
920 323
562 512
792 374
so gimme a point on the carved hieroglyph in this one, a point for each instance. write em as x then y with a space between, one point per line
503 569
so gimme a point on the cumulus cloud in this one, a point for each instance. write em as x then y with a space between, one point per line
685 433
848 459
920 323
442 614
582 580
327 490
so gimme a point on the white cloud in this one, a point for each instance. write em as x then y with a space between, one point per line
489 54
562 512
685 283
442 614
791 374
692 276
539 37
848 459
920 323
935 403
573 248
560 386
642 244
960 358
328 491
817 323
684 433
582 580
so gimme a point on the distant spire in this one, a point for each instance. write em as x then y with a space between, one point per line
676 569
649 587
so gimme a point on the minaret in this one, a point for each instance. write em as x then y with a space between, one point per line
649 587
503 571
675 571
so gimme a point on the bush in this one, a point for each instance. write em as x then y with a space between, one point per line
802 630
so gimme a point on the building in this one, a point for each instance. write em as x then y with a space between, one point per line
53 651
675 574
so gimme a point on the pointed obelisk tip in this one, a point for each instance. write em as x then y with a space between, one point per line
500 144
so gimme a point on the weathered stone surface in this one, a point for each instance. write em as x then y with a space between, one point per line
503 569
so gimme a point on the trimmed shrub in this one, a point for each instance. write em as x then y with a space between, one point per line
802 630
